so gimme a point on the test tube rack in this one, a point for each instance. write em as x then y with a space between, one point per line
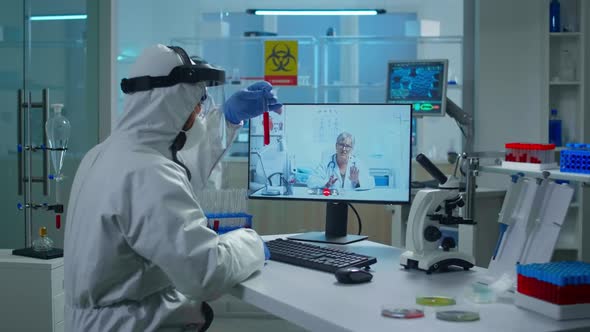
226 222
530 156
560 290
576 159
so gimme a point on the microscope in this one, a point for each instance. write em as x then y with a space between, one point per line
431 208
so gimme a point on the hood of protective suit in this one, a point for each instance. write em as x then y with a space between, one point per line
156 116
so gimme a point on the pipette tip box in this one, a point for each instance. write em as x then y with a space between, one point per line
560 290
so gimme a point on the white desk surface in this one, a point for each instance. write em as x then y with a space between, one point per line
315 301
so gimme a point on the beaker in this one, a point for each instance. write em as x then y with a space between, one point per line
567 66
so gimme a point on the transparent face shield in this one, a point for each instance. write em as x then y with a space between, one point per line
212 101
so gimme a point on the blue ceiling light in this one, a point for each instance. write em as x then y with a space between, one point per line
315 12
58 17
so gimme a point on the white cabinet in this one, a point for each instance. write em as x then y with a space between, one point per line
565 64
32 293
566 90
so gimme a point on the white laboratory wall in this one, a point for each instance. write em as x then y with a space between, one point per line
439 135
508 74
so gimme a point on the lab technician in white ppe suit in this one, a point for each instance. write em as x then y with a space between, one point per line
138 253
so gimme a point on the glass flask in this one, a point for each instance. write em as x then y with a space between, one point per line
58 130
43 243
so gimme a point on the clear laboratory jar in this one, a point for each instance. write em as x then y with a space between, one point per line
43 242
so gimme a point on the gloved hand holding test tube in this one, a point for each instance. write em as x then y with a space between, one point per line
248 103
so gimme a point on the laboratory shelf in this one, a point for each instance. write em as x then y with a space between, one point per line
388 40
302 40
566 241
564 83
554 174
564 34
45 44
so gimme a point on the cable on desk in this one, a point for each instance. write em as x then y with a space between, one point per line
357 217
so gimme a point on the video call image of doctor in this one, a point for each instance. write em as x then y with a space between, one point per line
342 170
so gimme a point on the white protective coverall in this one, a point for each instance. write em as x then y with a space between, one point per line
138 253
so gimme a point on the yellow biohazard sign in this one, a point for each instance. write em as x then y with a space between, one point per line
280 62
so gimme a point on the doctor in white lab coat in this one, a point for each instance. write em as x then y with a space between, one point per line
342 170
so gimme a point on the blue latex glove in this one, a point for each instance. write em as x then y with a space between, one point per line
266 251
251 102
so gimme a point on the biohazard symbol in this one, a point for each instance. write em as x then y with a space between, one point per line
281 58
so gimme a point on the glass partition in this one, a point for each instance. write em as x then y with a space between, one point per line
342 69
342 59
243 60
40 51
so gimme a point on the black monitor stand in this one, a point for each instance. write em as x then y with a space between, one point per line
336 224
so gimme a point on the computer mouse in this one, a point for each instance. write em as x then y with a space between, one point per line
353 275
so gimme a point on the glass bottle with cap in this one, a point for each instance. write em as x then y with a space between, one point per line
43 243
555 129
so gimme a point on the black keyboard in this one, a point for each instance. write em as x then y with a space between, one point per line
315 257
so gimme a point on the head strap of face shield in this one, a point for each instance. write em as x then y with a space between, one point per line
188 72
186 60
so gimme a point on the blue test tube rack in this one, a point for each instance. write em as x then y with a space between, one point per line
575 159
227 222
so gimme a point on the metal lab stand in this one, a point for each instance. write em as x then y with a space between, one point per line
25 177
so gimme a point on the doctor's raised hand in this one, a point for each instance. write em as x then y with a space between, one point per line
251 102
354 176
331 181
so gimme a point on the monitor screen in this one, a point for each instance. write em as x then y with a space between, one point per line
333 152
421 83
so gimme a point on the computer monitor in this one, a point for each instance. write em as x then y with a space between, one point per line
337 153
421 83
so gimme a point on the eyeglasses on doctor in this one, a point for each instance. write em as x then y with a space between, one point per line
344 146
